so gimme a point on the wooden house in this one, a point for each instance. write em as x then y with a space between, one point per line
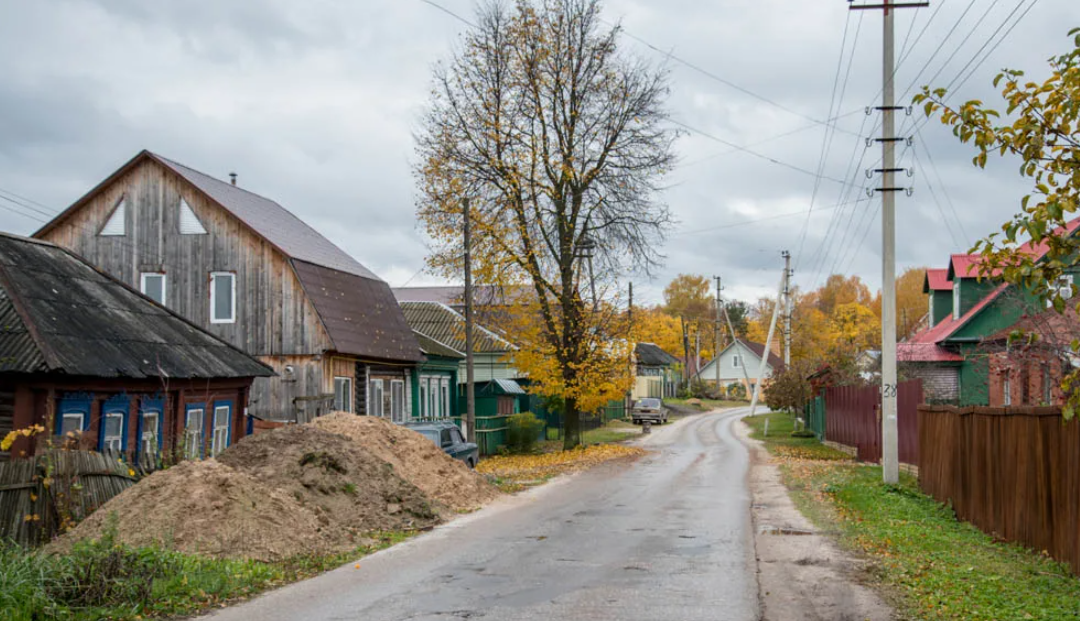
96 363
493 355
250 272
739 363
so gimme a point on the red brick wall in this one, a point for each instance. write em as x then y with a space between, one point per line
1018 368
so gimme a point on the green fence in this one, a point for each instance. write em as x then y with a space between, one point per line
814 415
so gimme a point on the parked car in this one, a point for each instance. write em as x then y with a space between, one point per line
446 435
651 410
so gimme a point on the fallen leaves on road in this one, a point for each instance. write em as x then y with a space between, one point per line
515 472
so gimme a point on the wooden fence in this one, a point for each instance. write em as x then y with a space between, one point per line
79 482
1013 472
852 417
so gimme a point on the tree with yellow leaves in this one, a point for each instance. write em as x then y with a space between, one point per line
559 140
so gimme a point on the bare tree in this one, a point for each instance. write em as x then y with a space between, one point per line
558 139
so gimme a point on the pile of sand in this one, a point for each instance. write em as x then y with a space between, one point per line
208 508
415 458
350 490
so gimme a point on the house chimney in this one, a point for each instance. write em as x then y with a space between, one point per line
232 176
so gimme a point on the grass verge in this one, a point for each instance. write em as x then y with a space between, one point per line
513 473
931 565
106 580
782 444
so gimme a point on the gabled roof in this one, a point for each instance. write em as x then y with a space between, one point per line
288 233
937 280
447 326
58 314
650 355
968 266
360 314
431 347
923 347
776 362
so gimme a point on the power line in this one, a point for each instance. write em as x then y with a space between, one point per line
448 12
754 221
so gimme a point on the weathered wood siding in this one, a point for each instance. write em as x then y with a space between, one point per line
273 316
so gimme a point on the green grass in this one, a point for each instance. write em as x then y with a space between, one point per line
937 567
779 441
103 580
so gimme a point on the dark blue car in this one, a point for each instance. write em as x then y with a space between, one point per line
446 435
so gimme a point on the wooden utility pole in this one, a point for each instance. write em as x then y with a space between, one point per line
470 389
716 352
890 463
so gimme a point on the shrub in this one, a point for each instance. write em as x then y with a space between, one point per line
736 391
523 430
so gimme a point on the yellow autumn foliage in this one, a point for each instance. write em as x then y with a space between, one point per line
545 465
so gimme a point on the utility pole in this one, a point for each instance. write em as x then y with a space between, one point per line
716 334
890 463
768 344
787 307
633 347
470 392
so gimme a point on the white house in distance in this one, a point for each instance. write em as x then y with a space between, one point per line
739 364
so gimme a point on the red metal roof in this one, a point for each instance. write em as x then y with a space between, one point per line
937 280
924 346
968 266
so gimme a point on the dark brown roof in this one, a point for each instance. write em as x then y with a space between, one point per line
61 315
360 314
775 361
447 326
650 355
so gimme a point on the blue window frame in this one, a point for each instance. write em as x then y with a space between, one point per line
194 435
112 431
72 413
220 427
151 424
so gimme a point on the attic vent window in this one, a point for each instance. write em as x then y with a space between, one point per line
189 222
116 225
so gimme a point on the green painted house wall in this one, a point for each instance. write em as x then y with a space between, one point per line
441 367
972 290
941 306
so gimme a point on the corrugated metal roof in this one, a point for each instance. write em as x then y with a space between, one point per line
500 386
431 347
447 326
269 219
79 321
650 355
937 280
360 314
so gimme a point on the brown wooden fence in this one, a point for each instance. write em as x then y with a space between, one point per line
79 482
1013 472
852 417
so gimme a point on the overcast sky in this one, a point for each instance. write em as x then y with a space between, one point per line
314 104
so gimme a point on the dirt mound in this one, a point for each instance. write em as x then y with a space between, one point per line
414 458
208 508
349 489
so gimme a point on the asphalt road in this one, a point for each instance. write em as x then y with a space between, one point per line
667 538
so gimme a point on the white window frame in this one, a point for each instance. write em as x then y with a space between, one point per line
193 436
375 397
119 213
1048 391
930 317
1006 387
398 414
347 394
1063 288
424 396
219 441
444 386
144 435
72 414
164 285
956 299
213 297
736 361
108 440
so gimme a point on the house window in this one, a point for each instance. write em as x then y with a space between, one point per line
152 285
736 361
189 222
375 398
72 422
343 394
112 432
424 397
1048 394
116 225
1063 288
930 317
222 297
956 299
150 433
397 401
1006 389
220 440
446 397
193 432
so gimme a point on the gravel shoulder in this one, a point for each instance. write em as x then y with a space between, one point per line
802 574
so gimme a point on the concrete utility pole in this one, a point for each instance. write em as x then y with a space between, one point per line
716 334
768 344
787 307
470 392
890 463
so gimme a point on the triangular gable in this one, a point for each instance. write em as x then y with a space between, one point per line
189 222
116 223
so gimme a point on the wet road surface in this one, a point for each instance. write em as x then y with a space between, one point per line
666 538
